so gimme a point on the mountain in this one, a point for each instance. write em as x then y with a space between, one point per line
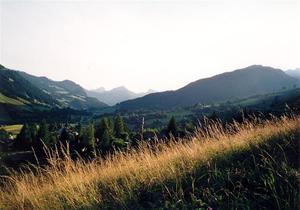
241 83
99 90
67 93
116 95
294 73
16 89
24 89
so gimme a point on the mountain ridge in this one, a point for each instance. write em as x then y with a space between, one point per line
252 80
240 83
294 73
41 89
115 95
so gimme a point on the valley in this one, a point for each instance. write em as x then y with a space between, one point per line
47 124
149 105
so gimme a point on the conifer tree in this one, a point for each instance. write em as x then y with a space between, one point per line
33 132
172 127
43 136
104 133
88 138
64 135
106 141
103 125
119 127
24 138
110 124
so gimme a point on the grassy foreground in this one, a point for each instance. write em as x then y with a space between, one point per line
253 165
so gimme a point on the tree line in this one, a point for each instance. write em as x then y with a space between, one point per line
87 140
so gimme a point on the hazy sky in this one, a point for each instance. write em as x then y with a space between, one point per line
146 44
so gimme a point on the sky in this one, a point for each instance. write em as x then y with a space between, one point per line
143 44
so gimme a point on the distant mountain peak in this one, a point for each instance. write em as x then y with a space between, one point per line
294 73
150 91
255 66
121 88
99 90
260 68
116 95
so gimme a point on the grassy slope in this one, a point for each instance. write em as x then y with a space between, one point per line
7 100
14 129
248 166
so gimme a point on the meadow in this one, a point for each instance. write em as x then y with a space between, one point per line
248 165
13 129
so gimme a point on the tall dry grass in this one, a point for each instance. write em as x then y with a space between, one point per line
65 183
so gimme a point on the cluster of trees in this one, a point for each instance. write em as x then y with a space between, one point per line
99 138
88 139
35 136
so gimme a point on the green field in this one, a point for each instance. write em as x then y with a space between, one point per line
14 129
7 100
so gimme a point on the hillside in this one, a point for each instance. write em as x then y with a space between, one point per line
115 95
242 83
67 93
24 97
16 88
30 89
276 104
253 165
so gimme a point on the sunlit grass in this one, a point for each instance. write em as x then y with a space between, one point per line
7 100
14 129
122 179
